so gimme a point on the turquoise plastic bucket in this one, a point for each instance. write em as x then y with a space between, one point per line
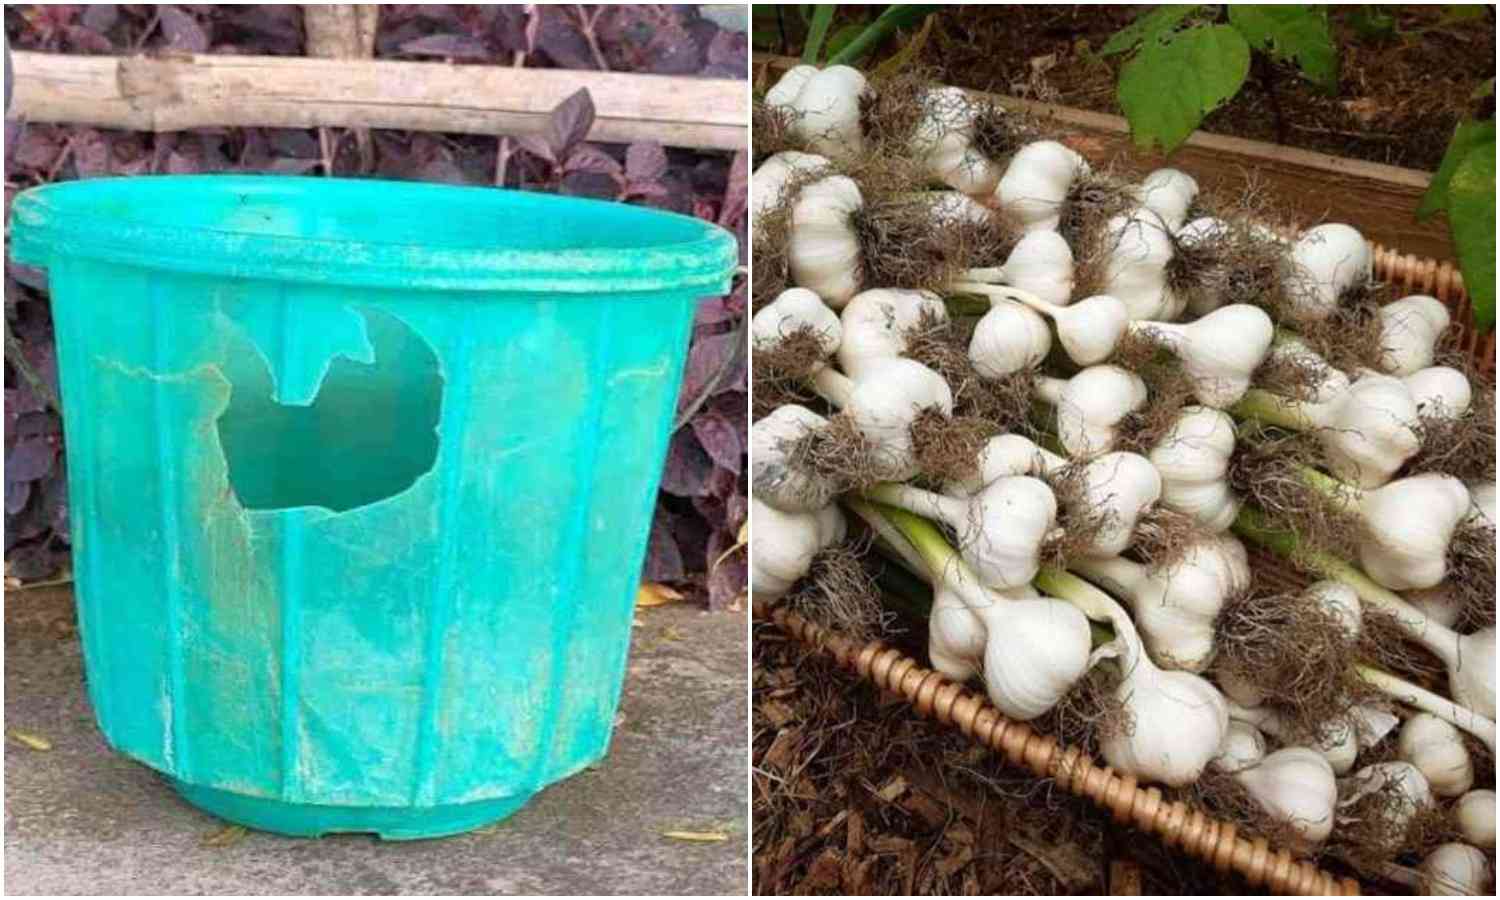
361 475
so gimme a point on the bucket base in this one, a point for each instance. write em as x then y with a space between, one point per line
391 823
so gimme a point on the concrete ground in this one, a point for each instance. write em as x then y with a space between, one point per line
81 819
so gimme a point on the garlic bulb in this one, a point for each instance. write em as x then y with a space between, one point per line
825 106
1437 749
947 208
1295 786
1008 339
1025 683
772 180
1090 329
1366 432
777 481
1176 606
876 322
1321 383
1042 265
1341 739
1035 648
1001 455
1243 746
1408 525
1439 392
1168 193
1179 720
794 310
785 544
883 401
786 88
1000 529
1401 781
1409 332
823 250
1341 601
1036 182
1471 671
1474 813
1119 487
1135 267
1455 870
1193 459
1090 406
957 636
1326 262
943 141
1482 493
1219 352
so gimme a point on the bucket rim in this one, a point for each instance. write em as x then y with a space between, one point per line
53 221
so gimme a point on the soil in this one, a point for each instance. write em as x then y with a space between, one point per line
1399 97
854 794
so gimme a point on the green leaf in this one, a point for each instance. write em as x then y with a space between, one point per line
895 17
1461 12
1468 135
843 37
1486 89
1371 22
822 18
1169 87
1471 215
1148 27
1292 34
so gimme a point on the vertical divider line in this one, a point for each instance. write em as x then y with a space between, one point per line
289 582
585 473
169 467
457 399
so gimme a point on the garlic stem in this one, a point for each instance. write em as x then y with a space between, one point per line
915 500
1426 701
1272 409
1006 292
1094 603
833 386
988 275
1252 525
1123 576
1345 496
1444 643
1049 389
874 516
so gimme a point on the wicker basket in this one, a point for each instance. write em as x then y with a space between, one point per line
1178 824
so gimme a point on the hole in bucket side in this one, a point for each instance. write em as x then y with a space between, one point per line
369 433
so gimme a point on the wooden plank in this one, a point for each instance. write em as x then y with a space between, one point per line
1378 199
174 92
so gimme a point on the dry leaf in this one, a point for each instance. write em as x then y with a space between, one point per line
740 542
653 594
702 837
892 789
1365 109
34 741
226 836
